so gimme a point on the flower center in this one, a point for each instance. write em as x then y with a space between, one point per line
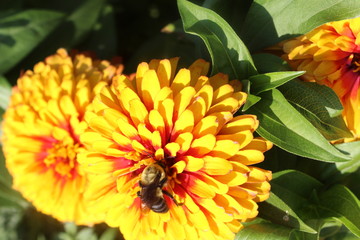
62 158
355 62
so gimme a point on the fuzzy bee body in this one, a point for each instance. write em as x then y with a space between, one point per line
151 183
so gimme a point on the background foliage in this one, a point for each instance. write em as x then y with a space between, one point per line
315 190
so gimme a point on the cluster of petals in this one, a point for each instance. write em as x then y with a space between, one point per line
185 121
41 132
330 55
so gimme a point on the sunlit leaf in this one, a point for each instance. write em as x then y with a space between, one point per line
269 22
353 148
288 129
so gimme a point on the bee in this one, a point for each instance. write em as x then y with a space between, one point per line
152 181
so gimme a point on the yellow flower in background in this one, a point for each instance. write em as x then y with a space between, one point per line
41 131
166 157
330 55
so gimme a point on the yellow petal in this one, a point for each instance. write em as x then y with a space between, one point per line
216 166
184 140
248 157
240 123
198 107
207 125
150 86
241 138
138 111
203 145
185 123
199 68
225 148
172 149
164 73
182 100
181 80
193 164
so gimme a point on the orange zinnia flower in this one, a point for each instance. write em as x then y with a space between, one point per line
330 55
168 160
41 131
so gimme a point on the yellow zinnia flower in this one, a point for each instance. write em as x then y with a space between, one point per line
330 55
41 131
168 160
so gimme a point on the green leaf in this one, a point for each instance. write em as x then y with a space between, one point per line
109 234
267 81
265 62
319 105
5 92
353 148
269 22
340 203
229 54
343 234
264 231
281 124
278 211
250 101
296 182
21 32
233 11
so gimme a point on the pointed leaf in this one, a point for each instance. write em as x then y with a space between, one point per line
267 81
288 129
228 53
269 22
278 211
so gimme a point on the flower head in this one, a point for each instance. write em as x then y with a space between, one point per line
166 157
330 55
41 131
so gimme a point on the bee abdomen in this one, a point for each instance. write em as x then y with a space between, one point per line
160 206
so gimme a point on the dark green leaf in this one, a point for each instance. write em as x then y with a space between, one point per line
265 62
72 31
5 92
229 54
264 82
103 38
233 11
278 211
340 203
343 234
264 231
281 124
269 22
319 105
8 196
21 32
